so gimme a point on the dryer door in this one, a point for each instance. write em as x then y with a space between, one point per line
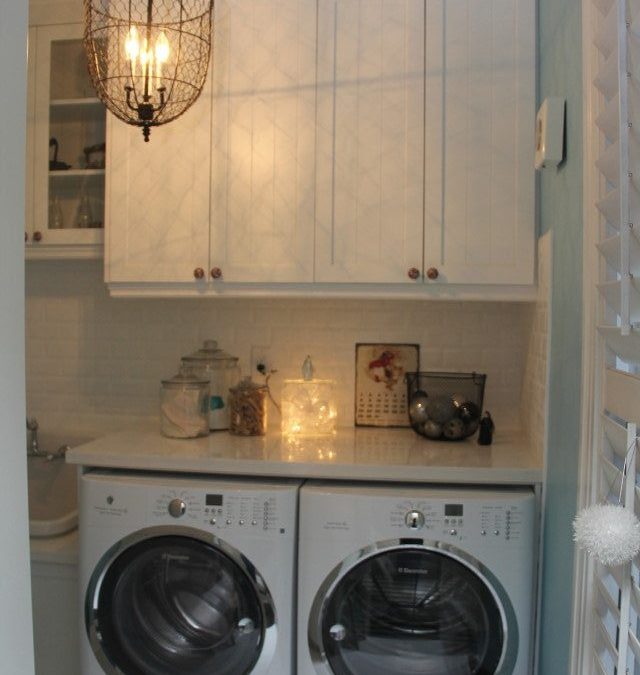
176 604
406 609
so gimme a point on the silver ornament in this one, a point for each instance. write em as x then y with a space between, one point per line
432 430
441 409
454 429
418 407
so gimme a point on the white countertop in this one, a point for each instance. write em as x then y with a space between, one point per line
397 455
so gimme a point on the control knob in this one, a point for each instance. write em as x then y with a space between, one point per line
177 507
414 520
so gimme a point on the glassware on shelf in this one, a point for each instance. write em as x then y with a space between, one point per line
84 218
56 221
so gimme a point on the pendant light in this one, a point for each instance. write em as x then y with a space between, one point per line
148 59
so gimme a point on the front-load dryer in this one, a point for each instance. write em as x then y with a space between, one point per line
405 580
186 575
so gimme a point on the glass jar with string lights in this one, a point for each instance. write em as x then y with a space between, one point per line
148 59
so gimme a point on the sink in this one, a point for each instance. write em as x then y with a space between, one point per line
53 490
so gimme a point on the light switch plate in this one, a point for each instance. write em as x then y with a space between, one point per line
550 133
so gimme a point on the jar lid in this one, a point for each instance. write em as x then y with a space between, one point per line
247 384
211 353
183 380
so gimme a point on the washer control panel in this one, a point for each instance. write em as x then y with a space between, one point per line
219 511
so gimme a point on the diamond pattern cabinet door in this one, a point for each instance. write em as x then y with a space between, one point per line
479 188
157 206
370 140
263 140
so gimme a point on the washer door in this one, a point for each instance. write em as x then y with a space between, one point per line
409 610
170 604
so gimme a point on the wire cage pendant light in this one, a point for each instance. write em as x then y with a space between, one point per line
148 59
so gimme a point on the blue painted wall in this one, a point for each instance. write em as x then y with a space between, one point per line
560 68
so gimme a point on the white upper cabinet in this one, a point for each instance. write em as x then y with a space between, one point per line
425 141
158 199
480 111
263 138
370 140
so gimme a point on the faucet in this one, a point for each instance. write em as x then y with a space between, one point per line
32 436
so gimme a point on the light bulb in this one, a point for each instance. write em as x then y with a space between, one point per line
162 48
132 44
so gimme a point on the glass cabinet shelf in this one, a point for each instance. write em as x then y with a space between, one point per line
76 173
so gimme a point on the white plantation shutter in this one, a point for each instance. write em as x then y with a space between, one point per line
616 591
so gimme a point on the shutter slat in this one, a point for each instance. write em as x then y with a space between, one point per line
635 597
615 433
610 478
634 28
627 347
608 121
635 645
606 81
604 594
609 207
606 638
622 394
600 666
606 39
603 5
612 292
610 250
609 163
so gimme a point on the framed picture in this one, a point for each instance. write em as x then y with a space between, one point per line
381 391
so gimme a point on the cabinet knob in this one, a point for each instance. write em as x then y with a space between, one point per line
37 235
216 273
26 236
198 273
413 273
432 273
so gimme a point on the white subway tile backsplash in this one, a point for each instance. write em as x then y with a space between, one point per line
92 359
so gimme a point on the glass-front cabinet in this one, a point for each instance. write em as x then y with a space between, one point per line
66 146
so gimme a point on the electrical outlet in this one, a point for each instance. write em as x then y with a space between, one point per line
261 362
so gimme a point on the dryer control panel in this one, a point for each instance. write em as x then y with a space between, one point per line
457 519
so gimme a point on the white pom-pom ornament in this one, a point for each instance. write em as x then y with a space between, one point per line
609 532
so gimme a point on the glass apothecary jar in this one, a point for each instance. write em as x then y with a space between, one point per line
248 409
184 401
222 371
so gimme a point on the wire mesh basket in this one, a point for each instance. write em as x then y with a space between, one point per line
445 406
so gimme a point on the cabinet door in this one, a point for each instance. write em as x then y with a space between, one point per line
67 192
262 195
370 140
158 198
479 178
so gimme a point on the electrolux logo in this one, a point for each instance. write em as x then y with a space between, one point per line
412 570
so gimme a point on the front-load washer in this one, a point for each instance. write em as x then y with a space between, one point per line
405 580
186 575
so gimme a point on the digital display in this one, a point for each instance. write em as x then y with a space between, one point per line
453 510
213 500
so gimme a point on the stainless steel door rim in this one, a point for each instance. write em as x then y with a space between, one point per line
338 632
263 596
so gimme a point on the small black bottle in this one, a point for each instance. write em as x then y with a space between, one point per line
487 427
